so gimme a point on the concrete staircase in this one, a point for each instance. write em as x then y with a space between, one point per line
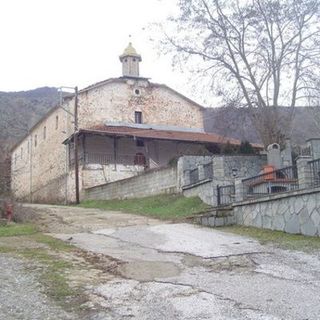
216 217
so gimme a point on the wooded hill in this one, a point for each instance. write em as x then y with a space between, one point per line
19 111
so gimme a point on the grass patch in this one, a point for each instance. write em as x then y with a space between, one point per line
11 230
278 238
53 268
161 206
52 243
53 277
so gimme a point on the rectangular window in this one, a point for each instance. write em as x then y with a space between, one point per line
140 143
57 122
35 140
21 152
138 117
44 133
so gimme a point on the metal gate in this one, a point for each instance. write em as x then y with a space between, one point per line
225 194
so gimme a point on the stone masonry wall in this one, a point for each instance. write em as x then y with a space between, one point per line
39 161
222 173
295 212
246 166
153 182
117 101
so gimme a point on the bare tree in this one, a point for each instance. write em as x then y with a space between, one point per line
259 54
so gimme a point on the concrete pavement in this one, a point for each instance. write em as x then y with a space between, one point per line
182 271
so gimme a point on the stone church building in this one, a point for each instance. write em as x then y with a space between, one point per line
126 125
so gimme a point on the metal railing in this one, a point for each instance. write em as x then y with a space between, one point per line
208 170
194 176
98 158
314 166
225 194
281 180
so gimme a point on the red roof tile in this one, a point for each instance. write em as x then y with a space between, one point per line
188 136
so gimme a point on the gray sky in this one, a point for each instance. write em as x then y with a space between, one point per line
78 42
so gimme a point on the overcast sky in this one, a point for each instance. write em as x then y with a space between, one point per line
78 42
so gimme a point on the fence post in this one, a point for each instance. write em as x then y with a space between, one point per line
239 191
218 195
304 171
186 177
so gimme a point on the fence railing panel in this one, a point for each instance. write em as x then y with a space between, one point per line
194 176
208 170
281 180
225 194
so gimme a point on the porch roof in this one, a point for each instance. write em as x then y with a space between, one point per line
156 134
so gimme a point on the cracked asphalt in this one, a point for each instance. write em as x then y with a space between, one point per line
183 271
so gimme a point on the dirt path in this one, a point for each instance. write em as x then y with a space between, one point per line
180 271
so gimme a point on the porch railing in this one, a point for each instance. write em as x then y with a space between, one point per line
314 167
98 158
281 180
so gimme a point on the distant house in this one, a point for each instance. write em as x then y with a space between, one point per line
125 125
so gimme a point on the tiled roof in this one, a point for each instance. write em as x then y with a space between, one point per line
187 136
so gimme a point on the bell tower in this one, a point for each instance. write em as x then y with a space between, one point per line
130 60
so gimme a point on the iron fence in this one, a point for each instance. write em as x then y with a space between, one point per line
225 194
194 175
97 158
276 181
314 166
208 170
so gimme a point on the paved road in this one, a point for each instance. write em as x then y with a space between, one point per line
182 271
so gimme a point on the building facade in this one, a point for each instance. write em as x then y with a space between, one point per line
125 125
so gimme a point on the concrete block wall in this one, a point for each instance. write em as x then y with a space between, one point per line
153 182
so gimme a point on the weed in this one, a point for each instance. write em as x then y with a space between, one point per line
277 238
161 206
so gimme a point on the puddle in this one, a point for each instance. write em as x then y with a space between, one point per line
148 270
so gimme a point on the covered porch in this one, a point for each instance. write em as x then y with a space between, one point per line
107 153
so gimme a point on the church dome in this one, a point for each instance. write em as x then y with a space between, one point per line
130 51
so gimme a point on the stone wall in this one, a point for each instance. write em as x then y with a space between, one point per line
118 99
206 190
295 212
223 168
40 159
245 166
153 182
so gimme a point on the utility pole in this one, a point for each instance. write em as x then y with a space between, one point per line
75 139
75 136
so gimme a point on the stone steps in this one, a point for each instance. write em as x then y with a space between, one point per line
216 217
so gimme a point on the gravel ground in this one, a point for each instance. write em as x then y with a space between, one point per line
21 293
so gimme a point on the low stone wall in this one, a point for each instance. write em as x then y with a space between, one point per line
295 212
153 182
206 190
